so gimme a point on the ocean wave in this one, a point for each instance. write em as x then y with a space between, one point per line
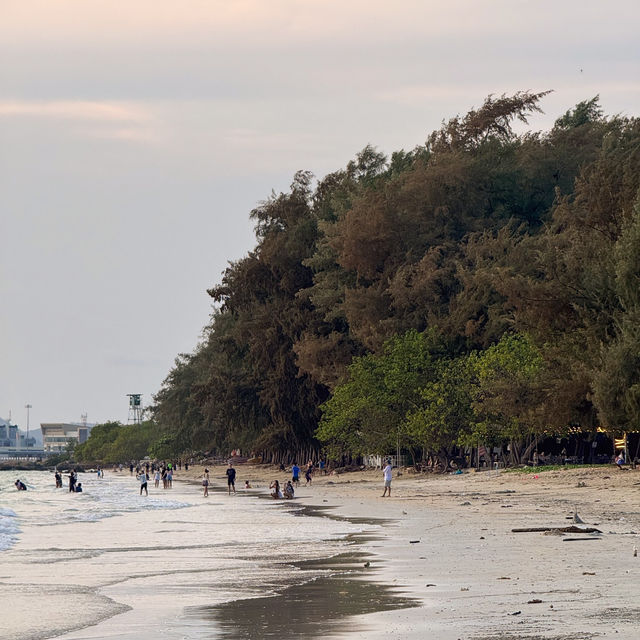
42 505
9 528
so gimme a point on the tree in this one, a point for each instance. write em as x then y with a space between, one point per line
617 382
506 394
444 416
368 412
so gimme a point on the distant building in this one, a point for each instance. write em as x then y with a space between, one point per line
9 434
57 435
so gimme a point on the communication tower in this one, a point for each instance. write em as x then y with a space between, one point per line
135 408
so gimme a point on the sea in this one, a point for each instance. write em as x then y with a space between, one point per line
110 563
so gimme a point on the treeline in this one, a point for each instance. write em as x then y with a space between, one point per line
113 442
480 289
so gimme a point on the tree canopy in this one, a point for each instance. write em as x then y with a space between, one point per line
482 286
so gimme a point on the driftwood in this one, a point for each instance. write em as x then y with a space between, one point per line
571 529
574 539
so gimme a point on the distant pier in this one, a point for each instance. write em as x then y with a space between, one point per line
13 453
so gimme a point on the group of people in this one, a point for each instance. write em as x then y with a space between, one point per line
231 480
162 473
277 493
308 474
288 490
74 485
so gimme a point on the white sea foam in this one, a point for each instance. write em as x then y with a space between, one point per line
44 505
158 555
9 528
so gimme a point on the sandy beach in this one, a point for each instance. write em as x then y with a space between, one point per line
448 543
442 561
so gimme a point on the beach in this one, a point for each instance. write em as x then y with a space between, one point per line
442 560
448 543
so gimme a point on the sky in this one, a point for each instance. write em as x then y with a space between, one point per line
136 136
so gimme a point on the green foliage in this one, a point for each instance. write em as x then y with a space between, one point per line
58 459
548 467
113 442
505 391
617 382
583 113
98 445
519 252
368 412
444 416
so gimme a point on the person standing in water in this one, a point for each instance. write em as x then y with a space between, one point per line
143 482
20 486
231 478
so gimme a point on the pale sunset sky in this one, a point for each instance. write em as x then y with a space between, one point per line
136 137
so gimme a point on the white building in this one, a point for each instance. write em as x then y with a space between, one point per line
57 435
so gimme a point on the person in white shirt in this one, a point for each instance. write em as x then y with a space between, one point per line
142 478
387 478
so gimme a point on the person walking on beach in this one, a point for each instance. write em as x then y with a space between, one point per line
387 471
156 479
231 478
58 478
205 483
143 482
295 474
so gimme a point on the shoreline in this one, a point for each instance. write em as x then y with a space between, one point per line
448 542
162 569
444 543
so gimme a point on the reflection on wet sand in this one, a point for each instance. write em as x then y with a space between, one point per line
309 610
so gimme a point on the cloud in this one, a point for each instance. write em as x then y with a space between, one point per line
117 121
75 110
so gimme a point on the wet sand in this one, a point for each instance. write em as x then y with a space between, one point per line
443 562
449 544
314 609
